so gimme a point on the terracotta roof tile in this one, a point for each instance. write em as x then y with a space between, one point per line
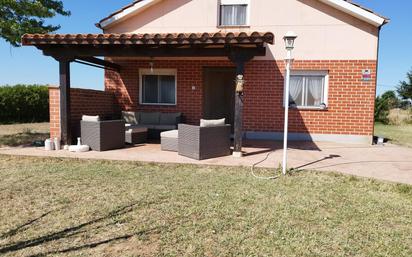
150 39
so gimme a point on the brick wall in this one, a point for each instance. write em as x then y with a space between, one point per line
125 86
54 109
351 101
83 102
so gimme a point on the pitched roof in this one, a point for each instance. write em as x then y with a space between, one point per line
347 6
218 38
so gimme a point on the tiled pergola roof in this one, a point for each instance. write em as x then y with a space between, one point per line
150 39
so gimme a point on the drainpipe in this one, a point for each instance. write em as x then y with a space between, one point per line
376 82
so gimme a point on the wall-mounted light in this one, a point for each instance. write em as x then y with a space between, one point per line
151 65
240 82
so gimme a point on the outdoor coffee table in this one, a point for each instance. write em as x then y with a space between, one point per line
136 136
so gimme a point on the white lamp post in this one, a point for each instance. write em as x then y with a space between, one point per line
289 44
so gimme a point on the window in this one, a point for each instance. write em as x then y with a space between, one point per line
158 87
308 89
234 12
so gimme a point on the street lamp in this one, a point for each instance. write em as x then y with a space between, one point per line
289 39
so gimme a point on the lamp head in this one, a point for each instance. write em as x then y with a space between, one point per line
289 39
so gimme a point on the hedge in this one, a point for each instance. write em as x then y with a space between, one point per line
24 103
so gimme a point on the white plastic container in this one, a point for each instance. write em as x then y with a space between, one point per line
57 145
79 148
48 145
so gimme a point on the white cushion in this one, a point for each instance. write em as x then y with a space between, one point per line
90 118
212 123
170 134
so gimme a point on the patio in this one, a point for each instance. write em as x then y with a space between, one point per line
389 162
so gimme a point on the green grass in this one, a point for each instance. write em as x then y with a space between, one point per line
61 207
397 134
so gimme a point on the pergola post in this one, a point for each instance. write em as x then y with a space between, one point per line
239 58
238 123
65 126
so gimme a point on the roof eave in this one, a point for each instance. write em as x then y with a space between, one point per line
132 9
358 12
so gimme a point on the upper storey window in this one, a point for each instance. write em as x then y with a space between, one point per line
234 12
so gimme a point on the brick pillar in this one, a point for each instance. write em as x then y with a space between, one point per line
54 105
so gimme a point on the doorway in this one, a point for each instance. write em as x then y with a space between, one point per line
219 93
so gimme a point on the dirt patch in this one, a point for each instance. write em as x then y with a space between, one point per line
12 129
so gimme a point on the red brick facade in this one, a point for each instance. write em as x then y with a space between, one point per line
350 100
83 102
54 109
350 106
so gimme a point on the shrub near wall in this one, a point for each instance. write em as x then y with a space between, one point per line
24 103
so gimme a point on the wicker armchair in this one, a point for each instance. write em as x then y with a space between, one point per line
204 142
103 135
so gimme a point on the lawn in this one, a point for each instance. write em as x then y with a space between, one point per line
63 207
397 134
23 134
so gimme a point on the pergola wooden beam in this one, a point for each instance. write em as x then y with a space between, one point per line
81 51
100 62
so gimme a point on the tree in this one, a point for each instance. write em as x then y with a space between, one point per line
18 17
405 87
384 104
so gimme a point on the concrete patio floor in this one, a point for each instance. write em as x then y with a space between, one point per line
388 162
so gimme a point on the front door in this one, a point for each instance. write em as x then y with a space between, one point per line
219 94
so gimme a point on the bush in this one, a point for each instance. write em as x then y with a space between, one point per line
384 104
24 103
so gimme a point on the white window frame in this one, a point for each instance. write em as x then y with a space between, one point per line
310 73
160 72
234 2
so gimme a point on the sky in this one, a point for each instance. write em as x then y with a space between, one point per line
27 65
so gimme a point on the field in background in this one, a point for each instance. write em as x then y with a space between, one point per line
23 134
400 117
397 134
24 127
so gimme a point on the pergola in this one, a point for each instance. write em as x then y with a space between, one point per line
86 48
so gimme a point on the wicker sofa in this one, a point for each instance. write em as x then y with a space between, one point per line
155 122
203 142
103 135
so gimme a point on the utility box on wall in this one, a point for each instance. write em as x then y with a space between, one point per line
366 75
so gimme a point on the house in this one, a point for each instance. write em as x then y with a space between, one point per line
184 55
